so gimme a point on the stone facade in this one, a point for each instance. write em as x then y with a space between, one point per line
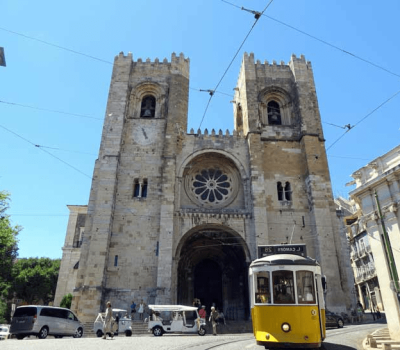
175 215
379 183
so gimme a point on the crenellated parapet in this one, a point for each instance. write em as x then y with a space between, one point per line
213 133
178 63
210 214
249 60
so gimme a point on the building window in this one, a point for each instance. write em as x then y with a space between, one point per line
212 186
274 113
288 191
144 188
136 188
284 193
280 191
239 118
140 188
116 260
148 107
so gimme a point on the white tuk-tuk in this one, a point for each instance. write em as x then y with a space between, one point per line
124 323
175 319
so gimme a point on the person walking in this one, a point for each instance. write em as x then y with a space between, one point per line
133 309
107 324
202 316
141 310
213 319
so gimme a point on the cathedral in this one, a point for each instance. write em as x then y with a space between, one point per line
176 215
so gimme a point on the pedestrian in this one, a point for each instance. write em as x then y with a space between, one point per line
221 318
141 310
117 317
359 306
213 319
202 316
378 313
108 320
133 309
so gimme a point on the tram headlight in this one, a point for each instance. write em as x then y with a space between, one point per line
285 327
267 336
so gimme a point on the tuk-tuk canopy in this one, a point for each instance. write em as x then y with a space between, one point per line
175 308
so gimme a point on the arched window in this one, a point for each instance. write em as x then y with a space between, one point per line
280 191
144 188
136 188
288 191
274 113
239 118
148 107
284 193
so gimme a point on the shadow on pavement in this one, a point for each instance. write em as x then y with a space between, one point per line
330 346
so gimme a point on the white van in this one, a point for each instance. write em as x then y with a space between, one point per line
42 321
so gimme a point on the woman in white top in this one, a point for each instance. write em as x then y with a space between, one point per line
141 310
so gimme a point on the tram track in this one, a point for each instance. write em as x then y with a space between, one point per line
351 329
212 344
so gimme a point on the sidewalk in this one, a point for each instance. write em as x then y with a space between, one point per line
380 339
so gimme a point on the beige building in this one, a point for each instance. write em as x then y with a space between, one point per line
366 286
176 215
377 196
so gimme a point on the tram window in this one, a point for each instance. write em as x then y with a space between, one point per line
305 287
283 287
263 294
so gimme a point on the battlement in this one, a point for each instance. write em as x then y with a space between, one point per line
213 133
249 59
297 67
176 64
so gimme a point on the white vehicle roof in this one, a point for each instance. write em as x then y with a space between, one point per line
114 310
172 308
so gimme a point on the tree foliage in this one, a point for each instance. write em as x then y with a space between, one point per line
35 279
8 252
66 301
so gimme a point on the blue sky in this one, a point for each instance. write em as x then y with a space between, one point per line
209 32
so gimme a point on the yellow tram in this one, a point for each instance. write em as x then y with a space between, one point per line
287 301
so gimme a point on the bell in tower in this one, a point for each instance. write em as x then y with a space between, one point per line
274 114
148 107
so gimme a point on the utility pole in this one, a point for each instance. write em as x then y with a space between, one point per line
2 57
394 277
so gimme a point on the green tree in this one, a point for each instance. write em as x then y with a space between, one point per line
66 301
8 253
35 279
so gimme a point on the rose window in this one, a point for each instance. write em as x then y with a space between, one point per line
212 186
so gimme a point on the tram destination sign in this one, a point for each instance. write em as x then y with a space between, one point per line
297 249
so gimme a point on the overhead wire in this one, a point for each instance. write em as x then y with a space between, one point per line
321 41
211 92
43 150
49 110
362 119
57 46
348 127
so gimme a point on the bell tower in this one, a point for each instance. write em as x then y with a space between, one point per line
130 208
276 108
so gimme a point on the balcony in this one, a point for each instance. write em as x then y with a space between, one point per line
77 244
365 272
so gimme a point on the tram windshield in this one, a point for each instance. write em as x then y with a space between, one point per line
283 287
263 292
305 287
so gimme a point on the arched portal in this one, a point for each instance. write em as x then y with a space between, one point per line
212 267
